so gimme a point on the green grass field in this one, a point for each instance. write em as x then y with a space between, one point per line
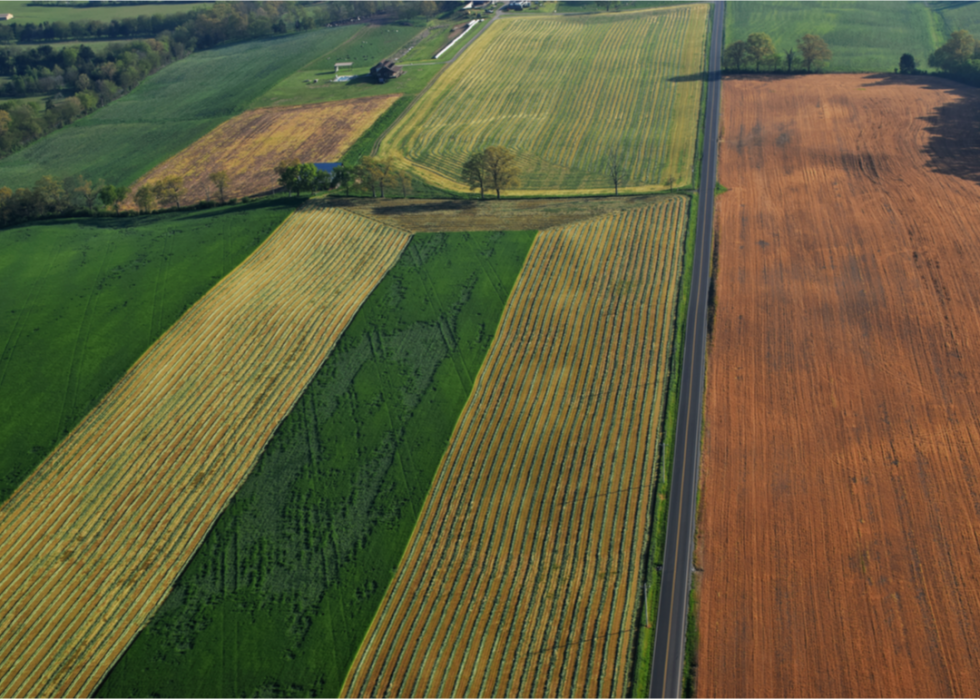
366 48
279 596
32 12
168 111
958 15
562 92
863 36
81 299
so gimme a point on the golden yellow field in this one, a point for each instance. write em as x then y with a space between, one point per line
249 146
522 577
563 93
91 543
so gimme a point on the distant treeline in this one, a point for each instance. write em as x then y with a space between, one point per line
79 79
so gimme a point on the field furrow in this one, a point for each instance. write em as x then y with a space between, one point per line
522 575
93 540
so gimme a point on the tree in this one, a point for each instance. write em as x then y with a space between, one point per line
404 180
169 190
145 198
375 172
615 167
761 49
321 181
220 181
114 196
906 64
955 55
813 50
295 176
343 176
790 57
475 172
735 55
501 169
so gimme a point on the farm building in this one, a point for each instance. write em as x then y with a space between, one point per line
6 16
386 70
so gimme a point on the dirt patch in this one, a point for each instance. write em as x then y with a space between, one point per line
841 502
249 146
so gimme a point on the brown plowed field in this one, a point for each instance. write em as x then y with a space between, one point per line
249 146
523 575
841 495
91 543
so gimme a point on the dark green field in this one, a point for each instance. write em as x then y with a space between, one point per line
283 589
863 36
168 111
80 300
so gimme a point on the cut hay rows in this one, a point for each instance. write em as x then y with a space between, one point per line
522 576
562 93
91 543
249 146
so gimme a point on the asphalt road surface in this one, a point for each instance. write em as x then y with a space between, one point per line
668 647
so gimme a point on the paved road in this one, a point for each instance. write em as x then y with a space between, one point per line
668 648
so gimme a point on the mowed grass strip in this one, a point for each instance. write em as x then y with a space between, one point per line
249 146
523 575
93 540
563 92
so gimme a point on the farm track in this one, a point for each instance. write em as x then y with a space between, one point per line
91 543
562 136
839 523
521 578
249 146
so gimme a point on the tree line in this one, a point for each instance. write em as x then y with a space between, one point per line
958 58
80 79
758 50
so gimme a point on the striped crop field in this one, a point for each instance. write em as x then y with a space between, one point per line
250 146
564 92
522 577
92 541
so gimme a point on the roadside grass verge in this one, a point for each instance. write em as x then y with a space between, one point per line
282 590
647 629
81 299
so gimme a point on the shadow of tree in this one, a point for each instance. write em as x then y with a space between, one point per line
954 129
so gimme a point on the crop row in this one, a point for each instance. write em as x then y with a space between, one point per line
93 540
567 93
522 575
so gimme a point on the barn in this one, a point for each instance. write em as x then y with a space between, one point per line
385 71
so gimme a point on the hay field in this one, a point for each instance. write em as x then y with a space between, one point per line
562 92
839 520
249 146
522 576
91 543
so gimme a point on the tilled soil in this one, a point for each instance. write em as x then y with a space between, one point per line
840 516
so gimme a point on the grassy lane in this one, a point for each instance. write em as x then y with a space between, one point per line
283 589
81 300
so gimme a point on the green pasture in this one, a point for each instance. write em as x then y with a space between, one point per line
168 111
954 16
563 93
863 36
282 591
81 299
33 12
369 46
